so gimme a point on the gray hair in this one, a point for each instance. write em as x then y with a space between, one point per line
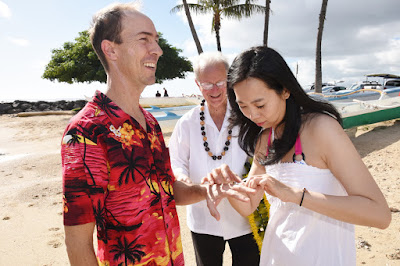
207 59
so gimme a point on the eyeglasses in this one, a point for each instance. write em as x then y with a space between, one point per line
208 86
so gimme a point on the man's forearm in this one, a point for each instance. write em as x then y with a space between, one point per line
186 193
81 256
79 242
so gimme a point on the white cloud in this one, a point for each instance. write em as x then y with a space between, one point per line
391 56
5 11
360 37
189 47
18 41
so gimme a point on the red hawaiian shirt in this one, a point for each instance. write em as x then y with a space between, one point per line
118 175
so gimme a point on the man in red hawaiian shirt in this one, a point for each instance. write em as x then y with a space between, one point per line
116 168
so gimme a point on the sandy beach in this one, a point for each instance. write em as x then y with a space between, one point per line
31 226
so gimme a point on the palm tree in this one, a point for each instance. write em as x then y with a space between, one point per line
99 215
266 23
167 178
106 104
130 165
131 253
318 69
192 29
219 8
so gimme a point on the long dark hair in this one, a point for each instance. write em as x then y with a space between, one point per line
269 66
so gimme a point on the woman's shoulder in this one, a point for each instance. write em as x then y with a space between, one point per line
321 127
318 121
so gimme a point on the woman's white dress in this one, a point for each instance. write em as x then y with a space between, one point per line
298 236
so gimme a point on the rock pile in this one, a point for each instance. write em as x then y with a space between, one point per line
39 106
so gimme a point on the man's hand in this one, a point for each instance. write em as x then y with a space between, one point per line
221 175
216 192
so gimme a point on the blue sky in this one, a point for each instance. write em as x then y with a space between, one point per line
360 37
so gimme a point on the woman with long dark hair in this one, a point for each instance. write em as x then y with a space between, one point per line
314 178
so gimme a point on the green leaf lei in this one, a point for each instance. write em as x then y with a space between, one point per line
258 220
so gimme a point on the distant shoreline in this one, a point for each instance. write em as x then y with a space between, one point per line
85 98
169 101
46 107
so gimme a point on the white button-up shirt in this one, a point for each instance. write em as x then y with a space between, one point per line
189 157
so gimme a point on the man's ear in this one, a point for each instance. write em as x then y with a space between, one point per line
108 48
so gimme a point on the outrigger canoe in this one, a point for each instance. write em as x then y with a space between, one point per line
358 113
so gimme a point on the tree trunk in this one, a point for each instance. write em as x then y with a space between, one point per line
266 23
218 40
192 29
217 27
318 68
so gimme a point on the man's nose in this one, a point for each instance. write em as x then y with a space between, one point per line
214 86
156 49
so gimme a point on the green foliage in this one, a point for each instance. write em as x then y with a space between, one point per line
171 65
231 9
77 62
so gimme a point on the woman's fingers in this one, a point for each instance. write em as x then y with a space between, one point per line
243 189
254 181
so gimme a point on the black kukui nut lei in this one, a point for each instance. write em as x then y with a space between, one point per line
203 133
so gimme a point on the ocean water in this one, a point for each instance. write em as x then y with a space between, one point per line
44 90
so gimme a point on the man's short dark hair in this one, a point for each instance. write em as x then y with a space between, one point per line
107 25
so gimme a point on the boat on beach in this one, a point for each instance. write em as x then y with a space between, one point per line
372 106
366 102
365 91
359 112
354 113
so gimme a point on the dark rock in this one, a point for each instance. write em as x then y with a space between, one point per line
43 106
14 111
69 105
4 107
79 103
25 106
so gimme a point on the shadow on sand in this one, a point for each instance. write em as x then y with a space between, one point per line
385 134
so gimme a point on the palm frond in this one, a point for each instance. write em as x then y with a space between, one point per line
243 10
226 3
196 8
176 9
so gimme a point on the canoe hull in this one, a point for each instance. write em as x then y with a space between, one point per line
371 117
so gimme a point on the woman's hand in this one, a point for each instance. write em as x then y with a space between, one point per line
273 187
216 192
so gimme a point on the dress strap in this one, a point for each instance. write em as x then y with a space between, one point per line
298 150
297 146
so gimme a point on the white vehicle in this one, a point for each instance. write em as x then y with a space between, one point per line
365 85
328 89
389 80
391 83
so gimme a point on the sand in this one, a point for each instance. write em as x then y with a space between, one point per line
31 230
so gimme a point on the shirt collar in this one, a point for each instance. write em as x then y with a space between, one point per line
210 121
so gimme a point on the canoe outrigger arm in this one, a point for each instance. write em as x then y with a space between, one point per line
382 93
